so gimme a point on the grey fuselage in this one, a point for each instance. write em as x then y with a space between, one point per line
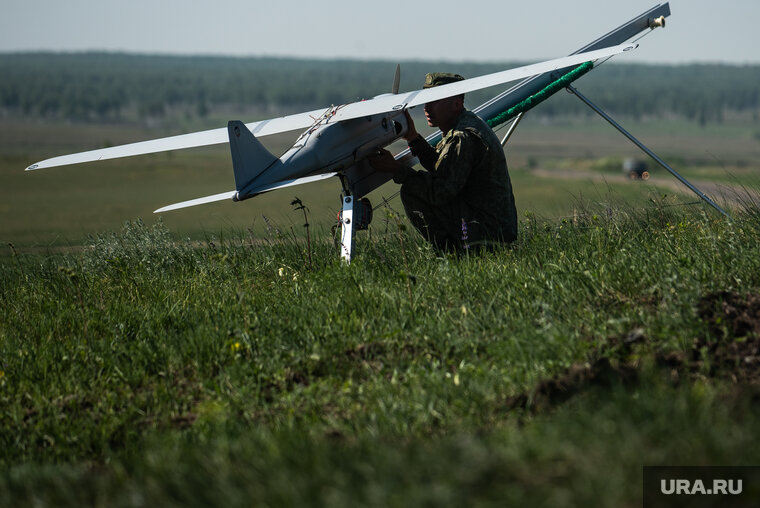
329 148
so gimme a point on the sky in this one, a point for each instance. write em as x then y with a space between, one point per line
399 30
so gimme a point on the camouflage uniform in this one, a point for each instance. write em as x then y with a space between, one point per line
465 197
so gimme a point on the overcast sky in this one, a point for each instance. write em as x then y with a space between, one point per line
697 31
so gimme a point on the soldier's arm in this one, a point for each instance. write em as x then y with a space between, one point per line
452 169
425 153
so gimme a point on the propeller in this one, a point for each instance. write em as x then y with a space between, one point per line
396 79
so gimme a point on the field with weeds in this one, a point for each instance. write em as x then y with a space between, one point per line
143 370
214 357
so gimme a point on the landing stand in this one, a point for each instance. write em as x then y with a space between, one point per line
356 210
646 150
347 227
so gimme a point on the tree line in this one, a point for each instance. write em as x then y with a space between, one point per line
119 86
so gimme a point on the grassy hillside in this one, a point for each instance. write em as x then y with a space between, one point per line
211 357
146 371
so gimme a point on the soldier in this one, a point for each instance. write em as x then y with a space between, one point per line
464 199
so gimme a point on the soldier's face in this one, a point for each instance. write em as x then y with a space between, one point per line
443 113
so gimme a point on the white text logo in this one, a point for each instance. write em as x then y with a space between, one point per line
679 487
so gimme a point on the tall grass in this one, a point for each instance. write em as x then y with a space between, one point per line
151 370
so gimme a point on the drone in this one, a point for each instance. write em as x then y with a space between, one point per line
338 140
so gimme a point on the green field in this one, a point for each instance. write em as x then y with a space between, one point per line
213 359
62 206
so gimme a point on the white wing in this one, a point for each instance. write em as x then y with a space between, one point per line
230 194
411 99
198 201
374 106
203 138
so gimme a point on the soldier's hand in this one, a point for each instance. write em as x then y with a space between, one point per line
411 130
383 162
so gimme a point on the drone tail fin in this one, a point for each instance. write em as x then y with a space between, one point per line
249 157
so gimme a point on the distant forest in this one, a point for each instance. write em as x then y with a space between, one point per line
116 86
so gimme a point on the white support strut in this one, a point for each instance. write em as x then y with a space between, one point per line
347 229
643 148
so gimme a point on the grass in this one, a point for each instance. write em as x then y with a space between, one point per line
218 356
145 369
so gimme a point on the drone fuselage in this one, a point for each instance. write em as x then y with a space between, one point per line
329 148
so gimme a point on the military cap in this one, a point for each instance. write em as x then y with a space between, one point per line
440 78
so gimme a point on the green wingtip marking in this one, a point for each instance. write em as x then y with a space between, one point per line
540 96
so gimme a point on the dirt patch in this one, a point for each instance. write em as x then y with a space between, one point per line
729 314
576 378
732 347
603 371
729 351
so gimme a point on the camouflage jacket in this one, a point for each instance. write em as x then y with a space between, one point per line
466 173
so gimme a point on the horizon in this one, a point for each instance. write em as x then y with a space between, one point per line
126 53
342 30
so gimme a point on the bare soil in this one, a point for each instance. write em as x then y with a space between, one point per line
730 351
